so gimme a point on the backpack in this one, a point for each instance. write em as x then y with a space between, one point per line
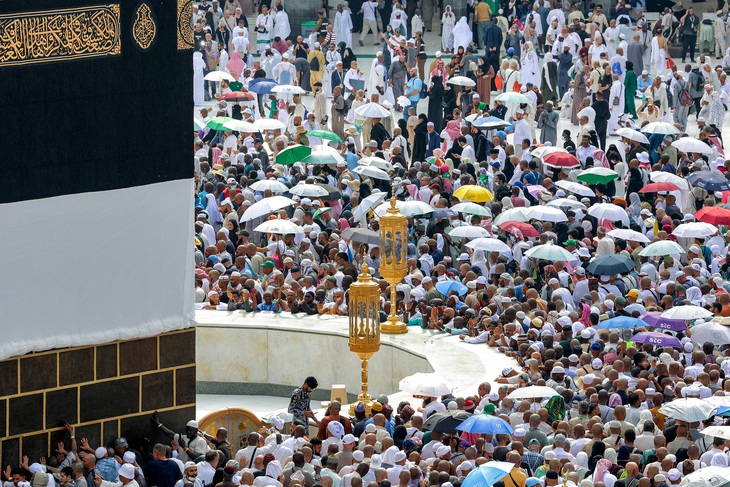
314 64
616 68
424 91
685 97
700 79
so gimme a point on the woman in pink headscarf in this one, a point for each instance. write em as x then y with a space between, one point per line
235 65
216 152
344 224
607 224
453 130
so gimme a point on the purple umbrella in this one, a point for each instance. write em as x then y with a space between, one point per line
655 320
657 339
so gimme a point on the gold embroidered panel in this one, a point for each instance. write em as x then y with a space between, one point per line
144 28
185 38
60 35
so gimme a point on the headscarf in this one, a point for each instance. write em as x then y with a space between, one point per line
273 469
507 203
611 456
634 209
581 460
423 126
601 469
453 129
344 224
614 400
694 294
214 213
462 34
607 224
236 64
548 59
556 408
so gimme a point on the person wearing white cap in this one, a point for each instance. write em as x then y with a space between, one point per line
316 75
191 446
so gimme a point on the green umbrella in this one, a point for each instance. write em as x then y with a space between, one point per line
323 155
320 211
597 175
292 154
217 122
325 134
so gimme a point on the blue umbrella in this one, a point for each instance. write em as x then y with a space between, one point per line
262 86
609 265
486 424
445 287
710 181
487 474
622 323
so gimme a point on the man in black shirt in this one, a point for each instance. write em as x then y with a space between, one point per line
161 472
601 121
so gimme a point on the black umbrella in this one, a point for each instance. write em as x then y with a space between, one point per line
609 265
445 422
335 194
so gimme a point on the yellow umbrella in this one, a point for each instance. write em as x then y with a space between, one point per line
472 192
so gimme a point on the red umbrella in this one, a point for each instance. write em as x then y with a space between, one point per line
561 159
715 215
237 96
525 228
656 187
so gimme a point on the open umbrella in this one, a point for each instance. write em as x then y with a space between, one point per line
665 177
461 81
372 110
367 204
711 476
487 474
378 162
262 86
240 126
486 425
533 392
597 175
292 154
512 97
626 234
542 151
309 191
608 210
445 422
576 188
490 123
362 235
689 409
690 145
198 124
694 230
525 228
469 231
567 204
279 227
621 323
632 134
333 194
657 187
489 245
711 332
288 90
661 248
325 155
657 339
549 251
474 193
266 207
237 96
609 265
662 128
561 160
717 432
654 319
446 287
269 124
408 208
513 215
218 76
216 123
469 208
430 385
271 184
320 211
371 172
546 213
688 312
325 134
710 181
715 215
536 189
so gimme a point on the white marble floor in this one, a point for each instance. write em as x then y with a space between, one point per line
259 405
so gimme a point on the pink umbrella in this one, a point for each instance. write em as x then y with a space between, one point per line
536 189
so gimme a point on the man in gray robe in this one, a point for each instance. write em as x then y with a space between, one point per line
635 53
548 123
398 76
338 112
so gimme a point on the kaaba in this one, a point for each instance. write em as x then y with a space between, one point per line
96 208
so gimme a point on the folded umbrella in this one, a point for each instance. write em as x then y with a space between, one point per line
609 265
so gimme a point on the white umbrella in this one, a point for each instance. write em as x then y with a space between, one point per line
218 76
566 203
632 134
371 172
665 177
376 162
690 145
269 124
546 213
710 332
265 207
663 128
288 90
689 312
240 126
407 208
309 190
576 188
549 252
512 97
279 227
420 384
489 244
694 230
626 234
662 247
367 204
461 81
324 154
469 231
544 150
512 215
711 476
532 392
717 432
198 124
271 184
609 210
472 209
373 110
689 409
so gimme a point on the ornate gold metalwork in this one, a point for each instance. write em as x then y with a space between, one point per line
60 35
185 39
394 246
238 421
364 336
144 27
